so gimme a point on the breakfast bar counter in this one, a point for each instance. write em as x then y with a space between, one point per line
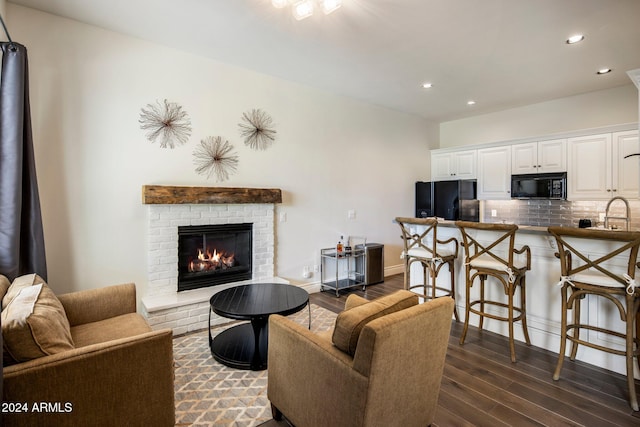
543 297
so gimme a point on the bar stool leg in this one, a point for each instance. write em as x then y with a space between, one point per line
512 346
483 277
576 329
523 309
425 268
433 273
563 333
631 315
637 335
467 304
450 265
407 268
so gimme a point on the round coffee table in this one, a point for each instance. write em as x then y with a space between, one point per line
245 346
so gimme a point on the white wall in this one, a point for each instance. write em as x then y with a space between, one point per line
595 109
3 9
88 85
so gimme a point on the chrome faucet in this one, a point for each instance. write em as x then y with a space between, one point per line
627 218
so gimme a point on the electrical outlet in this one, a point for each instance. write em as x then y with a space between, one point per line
306 273
351 214
494 212
283 217
316 268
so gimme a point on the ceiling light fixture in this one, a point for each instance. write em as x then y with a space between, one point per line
575 39
472 102
427 85
302 9
604 71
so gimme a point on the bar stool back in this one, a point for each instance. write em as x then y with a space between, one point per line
606 278
494 255
421 244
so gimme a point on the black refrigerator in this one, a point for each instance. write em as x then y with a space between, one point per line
453 200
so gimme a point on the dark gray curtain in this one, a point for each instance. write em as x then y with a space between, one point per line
21 234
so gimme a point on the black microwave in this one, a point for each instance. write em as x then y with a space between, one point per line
539 186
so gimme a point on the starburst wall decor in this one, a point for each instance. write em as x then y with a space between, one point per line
166 121
257 129
213 157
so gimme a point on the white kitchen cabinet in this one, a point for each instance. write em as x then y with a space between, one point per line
539 157
494 173
628 170
597 169
453 165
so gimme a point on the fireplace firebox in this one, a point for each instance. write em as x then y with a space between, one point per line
210 255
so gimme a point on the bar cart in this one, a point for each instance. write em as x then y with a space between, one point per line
343 270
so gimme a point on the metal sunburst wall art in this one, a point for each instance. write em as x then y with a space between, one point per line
167 122
213 157
257 129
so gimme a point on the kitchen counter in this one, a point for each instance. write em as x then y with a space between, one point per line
543 295
524 228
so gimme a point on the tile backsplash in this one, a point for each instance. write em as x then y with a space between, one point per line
557 212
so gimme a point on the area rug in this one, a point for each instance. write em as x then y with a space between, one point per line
208 393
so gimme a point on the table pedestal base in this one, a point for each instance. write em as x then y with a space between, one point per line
235 347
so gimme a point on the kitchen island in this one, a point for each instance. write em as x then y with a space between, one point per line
543 298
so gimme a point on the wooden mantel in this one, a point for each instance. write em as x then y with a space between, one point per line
171 195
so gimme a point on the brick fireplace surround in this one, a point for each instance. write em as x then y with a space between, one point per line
170 207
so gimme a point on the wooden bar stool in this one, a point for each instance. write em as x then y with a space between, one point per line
499 259
421 244
611 275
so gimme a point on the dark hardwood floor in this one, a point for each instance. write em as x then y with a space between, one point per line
481 387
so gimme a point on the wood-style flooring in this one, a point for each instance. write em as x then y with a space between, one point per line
481 387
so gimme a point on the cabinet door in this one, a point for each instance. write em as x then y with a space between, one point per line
442 167
524 158
552 156
465 162
453 165
494 173
626 172
589 167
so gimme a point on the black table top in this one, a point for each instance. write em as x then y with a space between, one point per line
248 302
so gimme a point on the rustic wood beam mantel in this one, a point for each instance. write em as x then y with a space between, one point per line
171 195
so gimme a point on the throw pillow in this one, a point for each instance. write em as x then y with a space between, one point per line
4 285
349 323
18 284
34 324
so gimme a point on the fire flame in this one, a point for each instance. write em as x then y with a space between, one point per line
211 261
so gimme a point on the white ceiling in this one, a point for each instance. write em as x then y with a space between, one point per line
500 53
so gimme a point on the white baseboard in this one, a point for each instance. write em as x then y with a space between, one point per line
393 270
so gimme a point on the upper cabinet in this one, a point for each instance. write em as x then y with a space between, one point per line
539 157
597 167
453 165
494 173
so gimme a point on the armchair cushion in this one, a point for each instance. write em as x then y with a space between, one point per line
34 323
350 322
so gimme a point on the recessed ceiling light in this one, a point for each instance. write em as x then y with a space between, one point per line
427 85
472 102
575 39
604 71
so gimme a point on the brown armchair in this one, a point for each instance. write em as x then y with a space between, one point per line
119 372
389 374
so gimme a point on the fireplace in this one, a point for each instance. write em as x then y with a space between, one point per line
209 255
173 207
